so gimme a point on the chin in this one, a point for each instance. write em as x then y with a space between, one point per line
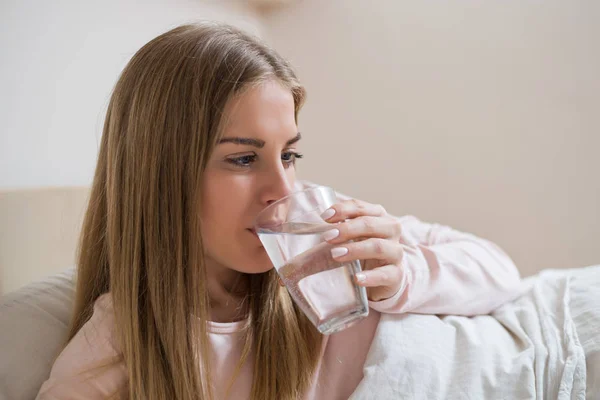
259 268
257 264
241 259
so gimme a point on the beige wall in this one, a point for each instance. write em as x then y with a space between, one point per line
481 115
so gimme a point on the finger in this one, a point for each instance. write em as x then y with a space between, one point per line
280 282
368 227
351 209
389 276
383 282
370 249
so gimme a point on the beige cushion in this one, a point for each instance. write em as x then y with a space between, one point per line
34 324
39 231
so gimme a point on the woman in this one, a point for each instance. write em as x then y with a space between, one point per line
175 297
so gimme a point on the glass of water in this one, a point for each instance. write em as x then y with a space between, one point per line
290 230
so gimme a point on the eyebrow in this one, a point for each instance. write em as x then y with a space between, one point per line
256 142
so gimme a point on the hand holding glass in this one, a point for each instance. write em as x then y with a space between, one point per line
290 230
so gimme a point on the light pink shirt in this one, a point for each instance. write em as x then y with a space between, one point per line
447 272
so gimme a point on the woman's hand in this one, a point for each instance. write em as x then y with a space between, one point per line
376 241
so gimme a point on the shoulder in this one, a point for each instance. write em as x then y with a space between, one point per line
96 340
93 358
100 330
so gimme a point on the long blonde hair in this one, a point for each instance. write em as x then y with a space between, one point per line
141 235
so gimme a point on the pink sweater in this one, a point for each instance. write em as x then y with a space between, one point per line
448 272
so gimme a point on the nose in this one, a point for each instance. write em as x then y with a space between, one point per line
278 184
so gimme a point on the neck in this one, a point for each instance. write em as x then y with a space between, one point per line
227 290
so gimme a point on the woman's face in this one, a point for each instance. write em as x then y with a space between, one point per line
251 167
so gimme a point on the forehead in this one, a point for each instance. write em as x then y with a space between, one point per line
262 109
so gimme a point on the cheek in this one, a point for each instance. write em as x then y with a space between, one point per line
228 201
224 201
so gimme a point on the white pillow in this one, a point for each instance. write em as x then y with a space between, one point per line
34 323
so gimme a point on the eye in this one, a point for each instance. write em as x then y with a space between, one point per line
290 157
243 161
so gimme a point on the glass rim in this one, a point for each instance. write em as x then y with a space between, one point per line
287 197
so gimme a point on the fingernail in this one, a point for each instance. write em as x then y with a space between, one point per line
328 214
338 252
360 277
331 234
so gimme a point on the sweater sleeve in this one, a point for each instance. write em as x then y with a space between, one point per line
450 272
91 365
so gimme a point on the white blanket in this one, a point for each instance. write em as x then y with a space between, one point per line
527 349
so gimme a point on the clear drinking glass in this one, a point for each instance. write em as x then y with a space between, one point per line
290 230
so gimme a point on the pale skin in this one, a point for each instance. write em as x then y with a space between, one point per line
255 165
